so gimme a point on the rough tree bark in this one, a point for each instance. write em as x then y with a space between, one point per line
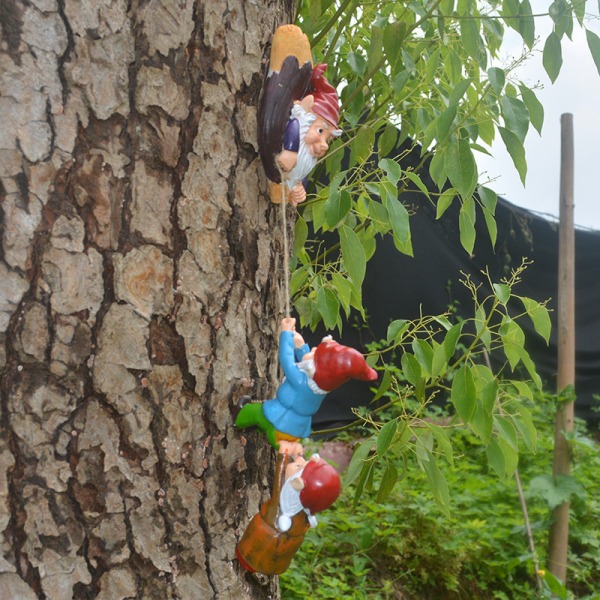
137 300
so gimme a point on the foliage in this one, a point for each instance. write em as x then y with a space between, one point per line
425 77
441 359
404 547
426 71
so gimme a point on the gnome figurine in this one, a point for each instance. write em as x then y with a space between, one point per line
301 488
298 115
309 376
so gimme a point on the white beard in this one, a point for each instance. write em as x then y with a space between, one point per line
289 503
306 161
308 367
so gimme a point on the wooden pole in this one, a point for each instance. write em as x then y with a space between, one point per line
559 533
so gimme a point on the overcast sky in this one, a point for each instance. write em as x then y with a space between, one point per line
576 91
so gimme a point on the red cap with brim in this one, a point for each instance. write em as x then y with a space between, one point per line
335 364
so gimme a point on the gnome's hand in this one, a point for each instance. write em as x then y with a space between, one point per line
288 324
297 194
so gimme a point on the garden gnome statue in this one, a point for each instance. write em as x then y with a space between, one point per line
298 115
309 376
301 489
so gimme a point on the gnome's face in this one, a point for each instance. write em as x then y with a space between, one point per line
318 137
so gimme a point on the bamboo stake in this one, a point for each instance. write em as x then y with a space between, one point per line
559 532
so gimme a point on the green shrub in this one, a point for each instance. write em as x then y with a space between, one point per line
406 548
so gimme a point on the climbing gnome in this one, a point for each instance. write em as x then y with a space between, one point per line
309 376
298 115
301 489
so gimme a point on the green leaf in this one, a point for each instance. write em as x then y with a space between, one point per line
444 202
298 279
393 36
513 341
516 150
337 207
384 386
516 116
387 140
439 361
353 255
411 368
444 122
437 169
524 423
424 355
482 424
416 179
439 485
534 107
466 224
497 79
363 143
386 436
388 481
555 489
300 235
502 292
375 53
552 56
328 305
526 25
396 329
469 35
451 340
506 430
461 167
462 394
594 45
443 442
399 221
392 169
358 460
481 327
488 198
538 314
344 289
502 458
357 63
458 91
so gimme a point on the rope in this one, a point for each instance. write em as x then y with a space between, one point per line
286 268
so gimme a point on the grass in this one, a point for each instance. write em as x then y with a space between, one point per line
405 548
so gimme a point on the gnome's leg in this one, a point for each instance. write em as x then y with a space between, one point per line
252 414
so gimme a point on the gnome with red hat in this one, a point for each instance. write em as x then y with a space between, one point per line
309 376
301 488
312 125
297 117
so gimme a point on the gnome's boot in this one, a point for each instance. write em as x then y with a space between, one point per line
252 414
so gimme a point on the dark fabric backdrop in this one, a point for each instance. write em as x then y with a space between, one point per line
401 287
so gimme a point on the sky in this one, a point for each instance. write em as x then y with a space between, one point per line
575 91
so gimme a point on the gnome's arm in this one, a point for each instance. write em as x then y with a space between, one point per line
287 358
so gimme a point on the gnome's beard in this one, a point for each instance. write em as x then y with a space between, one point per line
306 161
290 505
308 366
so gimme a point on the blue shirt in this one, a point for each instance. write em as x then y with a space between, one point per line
294 405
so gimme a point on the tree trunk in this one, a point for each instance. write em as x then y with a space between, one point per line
136 299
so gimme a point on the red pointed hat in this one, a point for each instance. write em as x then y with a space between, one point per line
326 104
321 486
335 364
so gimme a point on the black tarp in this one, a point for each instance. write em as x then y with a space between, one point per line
401 287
